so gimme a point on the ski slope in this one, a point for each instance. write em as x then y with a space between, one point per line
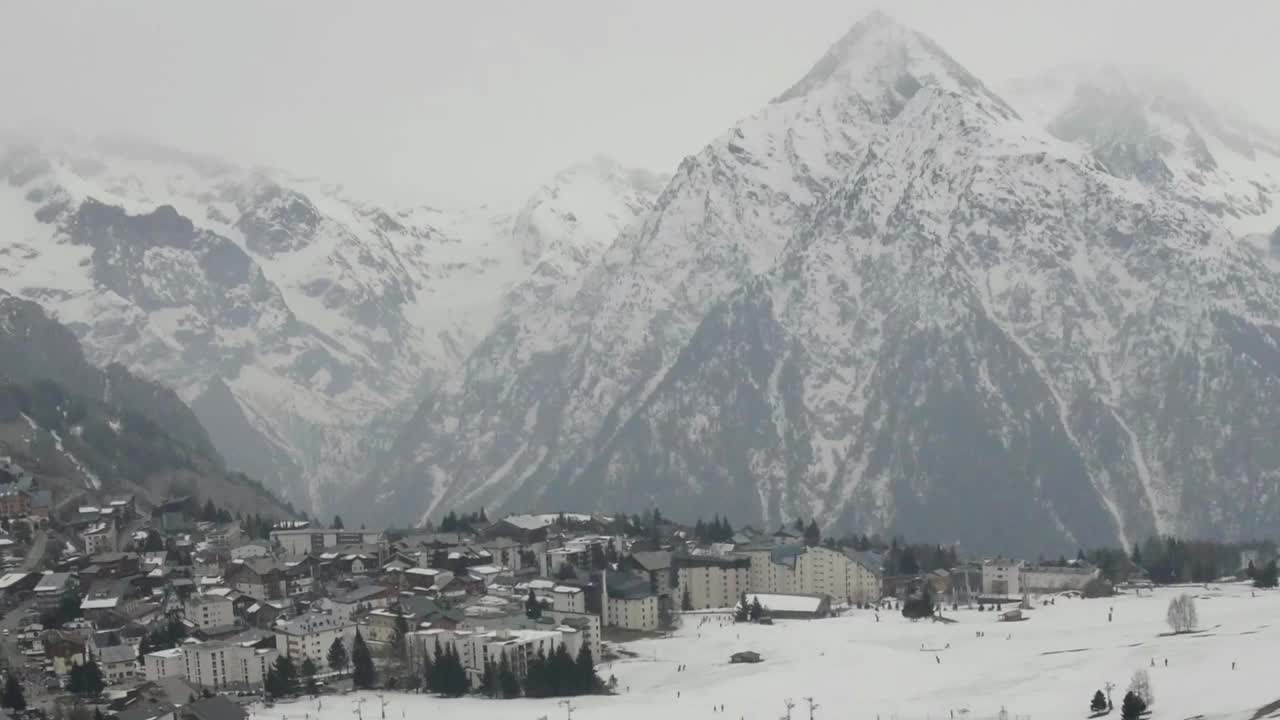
855 667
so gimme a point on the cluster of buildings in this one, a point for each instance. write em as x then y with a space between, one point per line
1002 577
158 598
20 496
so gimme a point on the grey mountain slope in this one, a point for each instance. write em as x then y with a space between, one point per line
537 390
301 325
79 426
964 329
877 379
1154 128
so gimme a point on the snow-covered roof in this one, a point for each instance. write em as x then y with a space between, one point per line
786 602
101 603
11 578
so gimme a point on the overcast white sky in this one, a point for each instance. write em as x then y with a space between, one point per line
451 102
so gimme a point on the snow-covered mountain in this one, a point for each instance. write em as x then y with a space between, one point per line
1154 128
299 323
104 430
888 301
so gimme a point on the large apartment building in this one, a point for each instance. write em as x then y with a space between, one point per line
224 664
842 575
311 635
210 611
313 541
712 581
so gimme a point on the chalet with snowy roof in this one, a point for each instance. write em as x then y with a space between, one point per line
528 530
119 663
217 707
362 599
52 588
793 606
260 578
125 507
511 553
117 564
111 601
16 587
64 650
100 537
424 580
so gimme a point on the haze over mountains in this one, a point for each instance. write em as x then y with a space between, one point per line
892 298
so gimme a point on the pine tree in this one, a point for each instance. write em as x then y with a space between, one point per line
532 608
286 674
1099 702
507 679
337 522
686 600
562 672
585 671
757 610
86 679
1267 577
456 673
362 672
13 697
812 535
401 631
338 658
488 680
1132 707
309 671
433 671
271 683
742 612
535 678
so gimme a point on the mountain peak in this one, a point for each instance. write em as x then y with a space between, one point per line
882 60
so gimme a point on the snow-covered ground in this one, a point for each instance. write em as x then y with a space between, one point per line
855 667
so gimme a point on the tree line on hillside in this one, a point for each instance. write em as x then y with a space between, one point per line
718 530
468 522
1170 560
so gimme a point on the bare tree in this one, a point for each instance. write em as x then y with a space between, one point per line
1182 614
1140 685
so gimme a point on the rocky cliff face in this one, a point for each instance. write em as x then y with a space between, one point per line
888 301
1157 130
91 429
301 325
